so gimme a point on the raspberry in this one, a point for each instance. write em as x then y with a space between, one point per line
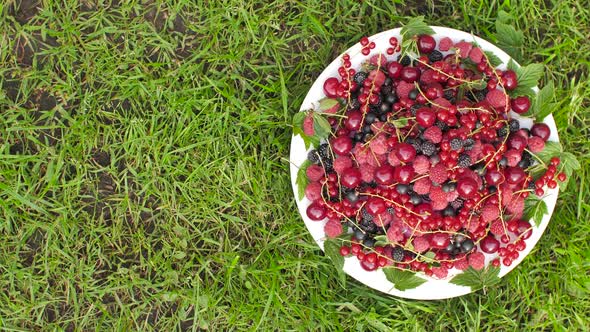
438 195
422 186
440 104
379 144
497 99
421 164
378 60
490 212
333 228
315 172
421 244
433 134
439 173
497 228
394 233
313 191
362 154
403 89
377 159
439 204
536 144
515 206
512 157
427 77
342 163
445 44
461 264
452 196
383 219
367 172
377 77
507 194
476 54
440 272
308 125
464 48
393 159
477 260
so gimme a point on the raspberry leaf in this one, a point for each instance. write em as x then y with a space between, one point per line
302 179
402 280
381 240
493 60
415 27
332 250
507 37
321 126
527 78
399 123
534 208
544 103
477 279
327 103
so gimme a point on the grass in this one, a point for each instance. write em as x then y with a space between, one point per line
144 177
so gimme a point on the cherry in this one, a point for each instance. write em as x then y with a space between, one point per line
467 187
489 244
517 142
351 177
494 177
375 206
521 104
509 79
316 212
425 117
404 174
369 264
410 74
541 130
384 175
440 240
342 145
405 152
426 43
514 175
394 69
353 121
524 229
331 87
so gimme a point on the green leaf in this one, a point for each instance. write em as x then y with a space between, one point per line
534 208
512 66
302 179
399 123
402 280
332 250
569 164
309 141
328 103
321 126
528 76
415 27
507 37
543 104
477 279
381 240
504 17
551 149
492 59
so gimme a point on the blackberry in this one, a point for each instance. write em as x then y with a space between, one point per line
371 228
464 160
457 203
360 77
404 61
468 143
313 157
456 143
435 56
449 95
477 95
370 118
526 160
325 151
398 254
442 125
354 104
391 98
366 216
385 89
514 125
428 148
413 94
502 131
415 142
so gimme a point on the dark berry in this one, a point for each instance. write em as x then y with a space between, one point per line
405 60
503 162
367 129
352 196
514 125
457 203
413 94
360 77
415 199
354 104
448 187
359 234
435 56
468 143
398 254
464 160
415 142
402 188
415 108
449 212
369 242
370 118
313 156
442 125
467 245
456 143
391 98
428 148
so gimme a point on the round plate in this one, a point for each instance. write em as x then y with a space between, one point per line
432 288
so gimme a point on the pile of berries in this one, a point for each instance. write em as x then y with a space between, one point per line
426 169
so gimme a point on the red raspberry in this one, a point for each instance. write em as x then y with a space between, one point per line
315 172
367 172
308 125
377 77
464 48
516 206
313 191
476 54
452 195
461 264
438 195
536 144
362 154
403 89
440 272
379 144
333 228
439 173
378 60
382 219
421 244
513 157
507 194
445 44
342 163
498 99
377 159
393 159
433 134
477 260
498 228
440 104
439 204
490 212
422 164
427 77
395 233
422 186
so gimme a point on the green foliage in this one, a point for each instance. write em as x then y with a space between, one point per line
507 37
402 280
534 209
477 279
302 179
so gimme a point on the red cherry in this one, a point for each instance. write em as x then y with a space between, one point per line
316 212
331 87
342 145
404 174
521 104
410 74
514 175
467 187
405 152
541 130
524 229
375 206
489 244
425 117
426 43
353 121
351 177
494 177
509 79
394 69
440 240
384 175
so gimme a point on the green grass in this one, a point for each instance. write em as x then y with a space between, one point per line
144 177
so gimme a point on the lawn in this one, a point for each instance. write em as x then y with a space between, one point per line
144 179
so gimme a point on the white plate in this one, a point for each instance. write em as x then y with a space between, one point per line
433 288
